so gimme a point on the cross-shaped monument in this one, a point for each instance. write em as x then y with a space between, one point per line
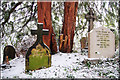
40 32
38 55
90 17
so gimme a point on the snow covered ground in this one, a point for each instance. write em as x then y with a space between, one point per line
66 65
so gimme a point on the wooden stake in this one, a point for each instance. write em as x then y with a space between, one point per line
7 60
65 42
61 41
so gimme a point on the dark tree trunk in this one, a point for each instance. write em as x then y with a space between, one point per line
68 29
44 16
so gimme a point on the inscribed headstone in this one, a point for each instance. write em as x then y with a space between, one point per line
101 43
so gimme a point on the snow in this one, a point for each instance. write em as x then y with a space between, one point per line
65 65
45 29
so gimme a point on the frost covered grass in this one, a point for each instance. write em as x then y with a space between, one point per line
66 65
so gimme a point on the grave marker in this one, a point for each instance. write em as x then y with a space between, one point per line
38 55
9 53
83 42
90 17
101 43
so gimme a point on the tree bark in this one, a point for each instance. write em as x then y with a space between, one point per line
44 16
68 29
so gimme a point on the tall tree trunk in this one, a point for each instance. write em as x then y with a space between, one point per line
44 16
68 29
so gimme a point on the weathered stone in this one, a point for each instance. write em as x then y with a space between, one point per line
38 55
83 42
101 43
90 17
9 53
39 58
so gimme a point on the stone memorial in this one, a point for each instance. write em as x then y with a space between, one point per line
38 56
9 53
101 43
90 16
83 42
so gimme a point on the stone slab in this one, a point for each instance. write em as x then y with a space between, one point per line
101 43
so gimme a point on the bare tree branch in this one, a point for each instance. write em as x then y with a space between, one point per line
32 15
22 18
6 20
24 7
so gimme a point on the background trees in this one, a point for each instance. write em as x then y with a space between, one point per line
17 18
16 22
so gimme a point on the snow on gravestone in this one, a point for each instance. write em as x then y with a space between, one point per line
101 43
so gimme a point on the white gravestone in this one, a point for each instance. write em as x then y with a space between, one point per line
101 43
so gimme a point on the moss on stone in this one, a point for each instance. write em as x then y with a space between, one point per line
39 57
